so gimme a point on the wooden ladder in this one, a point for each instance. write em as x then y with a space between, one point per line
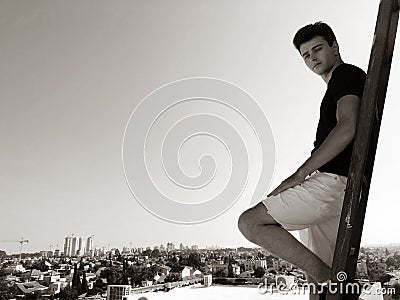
366 139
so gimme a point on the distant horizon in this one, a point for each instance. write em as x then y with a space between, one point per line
392 244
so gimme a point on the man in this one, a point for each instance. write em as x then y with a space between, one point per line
310 200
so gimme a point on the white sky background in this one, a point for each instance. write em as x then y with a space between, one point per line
72 72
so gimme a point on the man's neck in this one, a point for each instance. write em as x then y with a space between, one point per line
326 77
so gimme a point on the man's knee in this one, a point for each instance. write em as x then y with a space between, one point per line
245 223
250 220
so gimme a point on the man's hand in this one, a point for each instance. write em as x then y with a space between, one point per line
289 182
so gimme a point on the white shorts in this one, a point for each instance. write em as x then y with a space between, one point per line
313 208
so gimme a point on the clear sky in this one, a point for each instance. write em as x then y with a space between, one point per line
73 72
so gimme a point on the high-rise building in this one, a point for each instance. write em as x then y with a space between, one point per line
57 253
67 245
78 246
170 247
181 247
89 246
98 252
74 246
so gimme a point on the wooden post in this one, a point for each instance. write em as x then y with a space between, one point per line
362 162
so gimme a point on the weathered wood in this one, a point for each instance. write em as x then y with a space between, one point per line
363 157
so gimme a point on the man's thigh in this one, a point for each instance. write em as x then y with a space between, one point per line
317 199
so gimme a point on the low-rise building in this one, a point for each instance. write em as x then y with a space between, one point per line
116 292
181 272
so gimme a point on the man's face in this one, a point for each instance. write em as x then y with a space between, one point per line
319 56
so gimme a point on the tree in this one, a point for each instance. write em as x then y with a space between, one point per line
221 273
132 274
194 260
99 283
3 254
391 262
155 253
173 260
396 295
68 293
147 252
113 275
259 272
8 290
260 255
75 277
385 278
242 268
376 270
147 275
171 278
40 265
84 286
230 271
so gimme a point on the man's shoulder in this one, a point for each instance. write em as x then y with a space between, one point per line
346 79
348 70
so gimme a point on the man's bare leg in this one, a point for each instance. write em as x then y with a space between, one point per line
260 228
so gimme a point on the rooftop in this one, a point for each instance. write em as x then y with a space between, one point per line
215 292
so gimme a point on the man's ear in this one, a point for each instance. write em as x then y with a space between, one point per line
335 47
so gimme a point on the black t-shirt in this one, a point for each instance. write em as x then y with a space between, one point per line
346 80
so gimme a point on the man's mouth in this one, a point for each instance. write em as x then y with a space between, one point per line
316 65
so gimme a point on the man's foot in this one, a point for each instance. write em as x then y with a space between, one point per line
322 295
350 288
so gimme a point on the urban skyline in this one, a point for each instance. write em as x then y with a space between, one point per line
73 243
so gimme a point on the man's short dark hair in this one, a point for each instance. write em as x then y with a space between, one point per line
310 31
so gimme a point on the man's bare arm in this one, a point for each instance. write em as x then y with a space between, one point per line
337 140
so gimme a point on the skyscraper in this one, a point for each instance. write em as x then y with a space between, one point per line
67 245
170 247
74 246
78 246
89 246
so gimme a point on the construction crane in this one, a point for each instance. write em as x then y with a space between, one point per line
21 242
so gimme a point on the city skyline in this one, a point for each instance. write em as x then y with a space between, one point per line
162 247
68 89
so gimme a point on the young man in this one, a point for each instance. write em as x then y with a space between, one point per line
310 200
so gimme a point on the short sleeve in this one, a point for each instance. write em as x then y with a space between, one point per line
347 80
